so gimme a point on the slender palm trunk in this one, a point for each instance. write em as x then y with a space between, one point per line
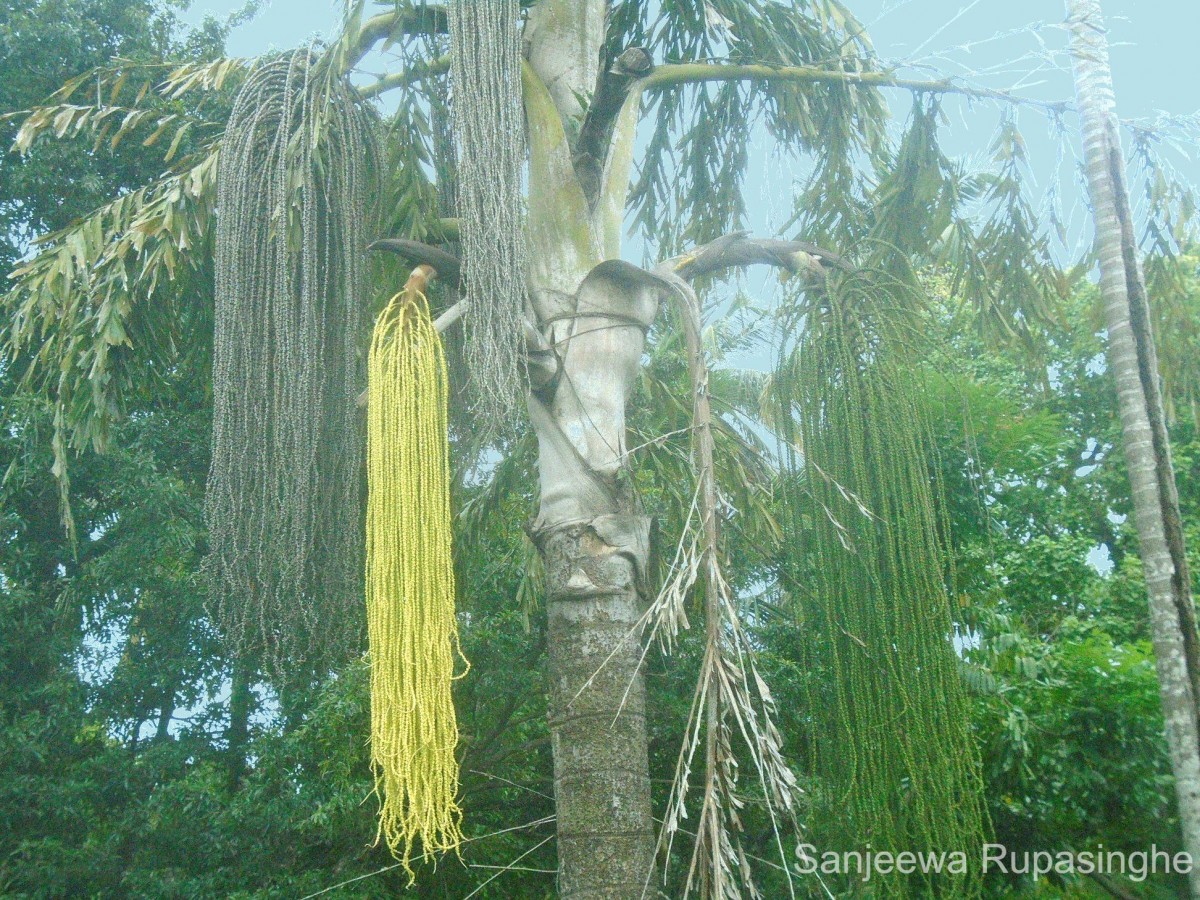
1147 451
597 710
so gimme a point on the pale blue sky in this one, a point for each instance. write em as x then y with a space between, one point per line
1154 41
1154 54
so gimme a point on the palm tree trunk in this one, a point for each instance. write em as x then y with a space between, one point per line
597 708
593 540
1147 451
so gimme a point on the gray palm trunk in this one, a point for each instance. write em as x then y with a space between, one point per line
1132 359
592 538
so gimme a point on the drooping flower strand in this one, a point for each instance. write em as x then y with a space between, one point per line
410 584
891 744
489 133
284 500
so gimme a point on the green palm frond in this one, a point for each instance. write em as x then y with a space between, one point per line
694 164
103 306
110 103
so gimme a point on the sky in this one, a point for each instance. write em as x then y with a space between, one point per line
1154 42
1020 45
1006 44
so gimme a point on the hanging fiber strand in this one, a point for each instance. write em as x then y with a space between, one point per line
485 70
410 592
284 499
892 745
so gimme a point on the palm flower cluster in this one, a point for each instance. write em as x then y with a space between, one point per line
285 499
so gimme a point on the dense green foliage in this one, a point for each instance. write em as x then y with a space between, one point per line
136 761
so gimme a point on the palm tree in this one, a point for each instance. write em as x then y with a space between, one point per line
100 304
1132 357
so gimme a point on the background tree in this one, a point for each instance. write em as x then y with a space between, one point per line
1147 447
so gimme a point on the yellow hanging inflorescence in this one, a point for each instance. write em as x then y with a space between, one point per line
410 581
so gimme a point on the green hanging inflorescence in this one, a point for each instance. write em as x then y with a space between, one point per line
891 749
285 496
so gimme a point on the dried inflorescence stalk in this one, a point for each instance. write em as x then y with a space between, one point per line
731 699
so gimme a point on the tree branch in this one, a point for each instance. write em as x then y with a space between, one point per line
415 20
696 73
439 66
595 135
738 250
